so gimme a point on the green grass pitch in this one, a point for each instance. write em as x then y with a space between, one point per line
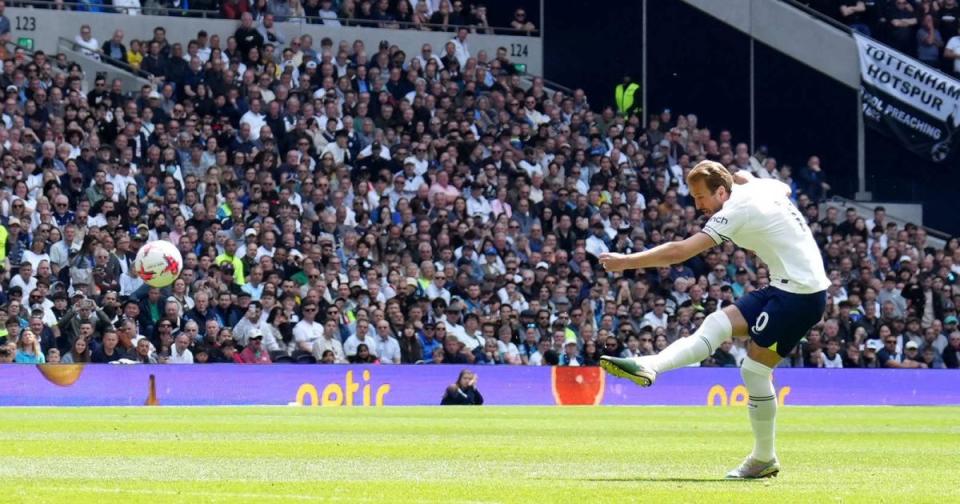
471 455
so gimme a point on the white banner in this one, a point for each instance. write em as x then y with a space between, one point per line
908 100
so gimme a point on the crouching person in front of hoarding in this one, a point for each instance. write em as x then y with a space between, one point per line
464 392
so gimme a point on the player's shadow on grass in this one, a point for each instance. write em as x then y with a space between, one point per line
661 479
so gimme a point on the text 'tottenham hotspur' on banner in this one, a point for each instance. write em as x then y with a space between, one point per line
910 101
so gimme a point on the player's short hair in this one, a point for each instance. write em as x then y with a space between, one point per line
711 173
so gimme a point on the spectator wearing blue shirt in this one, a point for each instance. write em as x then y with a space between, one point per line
428 341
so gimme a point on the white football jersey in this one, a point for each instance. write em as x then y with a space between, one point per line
759 216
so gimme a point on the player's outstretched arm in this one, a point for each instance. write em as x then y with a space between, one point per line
663 255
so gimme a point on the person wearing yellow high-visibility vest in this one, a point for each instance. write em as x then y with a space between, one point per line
628 100
4 235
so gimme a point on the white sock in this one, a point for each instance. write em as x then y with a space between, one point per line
715 329
762 407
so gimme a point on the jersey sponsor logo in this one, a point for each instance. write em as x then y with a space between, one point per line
719 219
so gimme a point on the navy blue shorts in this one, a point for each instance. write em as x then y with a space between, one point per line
778 319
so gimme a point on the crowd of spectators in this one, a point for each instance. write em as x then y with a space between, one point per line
363 205
928 30
434 15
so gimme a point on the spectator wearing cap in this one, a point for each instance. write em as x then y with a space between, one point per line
868 357
740 283
491 264
889 357
230 264
254 352
596 243
15 237
571 355
913 356
429 341
950 324
451 322
477 205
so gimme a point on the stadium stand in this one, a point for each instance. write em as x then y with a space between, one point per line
928 30
344 203
427 15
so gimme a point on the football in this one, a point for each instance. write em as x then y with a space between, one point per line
158 263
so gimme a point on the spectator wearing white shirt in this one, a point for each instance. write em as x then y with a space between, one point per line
249 322
508 350
387 347
461 50
254 119
419 159
530 163
537 359
412 181
426 56
87 43
327 14
657 317
436 288
534 116
268 245
180 353
362 335
308 331
832 358
396 190
453 328
330 342
952 52
338 148
477 205
25 280
768 170
595 244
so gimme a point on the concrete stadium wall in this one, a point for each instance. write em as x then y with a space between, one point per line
45 26
819 45
120 385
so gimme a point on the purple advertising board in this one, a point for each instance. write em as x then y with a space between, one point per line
202 385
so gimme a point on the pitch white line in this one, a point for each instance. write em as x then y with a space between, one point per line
235 495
